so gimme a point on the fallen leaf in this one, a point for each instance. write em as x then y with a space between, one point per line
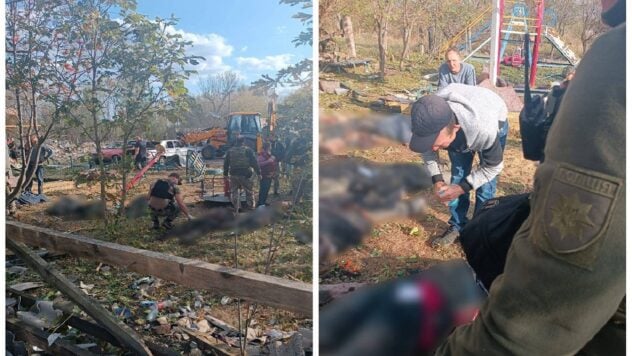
86 286
414 231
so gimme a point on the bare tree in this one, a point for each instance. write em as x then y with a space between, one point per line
409 16
590 23
216 89
381 16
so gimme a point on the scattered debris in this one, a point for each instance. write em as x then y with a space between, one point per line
124 334
26 286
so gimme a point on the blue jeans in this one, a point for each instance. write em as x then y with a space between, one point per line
39 176
461 167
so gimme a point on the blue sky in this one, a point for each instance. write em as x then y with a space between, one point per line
250 37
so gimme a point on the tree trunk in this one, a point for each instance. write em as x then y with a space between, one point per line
382 30
431 39
347 28
406 35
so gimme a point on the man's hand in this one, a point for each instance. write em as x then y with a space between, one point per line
438 186
448 193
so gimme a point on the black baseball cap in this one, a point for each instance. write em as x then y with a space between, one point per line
429 115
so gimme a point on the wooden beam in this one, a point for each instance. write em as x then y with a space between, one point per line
273 291
123 333
39 338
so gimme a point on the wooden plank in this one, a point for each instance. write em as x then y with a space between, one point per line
124 334
39 338
273 291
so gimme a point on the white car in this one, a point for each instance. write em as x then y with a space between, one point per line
174 150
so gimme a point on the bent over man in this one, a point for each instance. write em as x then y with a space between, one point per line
464 120
165 200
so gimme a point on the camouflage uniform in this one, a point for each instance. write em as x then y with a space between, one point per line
564 279
240 162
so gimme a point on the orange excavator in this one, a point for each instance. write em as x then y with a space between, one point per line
245 124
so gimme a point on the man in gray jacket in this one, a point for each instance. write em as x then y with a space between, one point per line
464 120
455 71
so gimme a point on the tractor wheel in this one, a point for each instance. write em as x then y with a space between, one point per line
209 152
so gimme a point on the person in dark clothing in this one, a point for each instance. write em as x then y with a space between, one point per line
268 165
239 163
140 153
35 164
278 151
165 199
12 148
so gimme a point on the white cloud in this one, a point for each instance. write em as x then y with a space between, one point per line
213 47
244 48
281 29
266 63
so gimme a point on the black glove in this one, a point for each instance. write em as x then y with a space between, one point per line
410 316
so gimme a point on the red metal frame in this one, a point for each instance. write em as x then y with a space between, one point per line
536 42
142 172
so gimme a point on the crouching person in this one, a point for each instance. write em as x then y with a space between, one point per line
165 200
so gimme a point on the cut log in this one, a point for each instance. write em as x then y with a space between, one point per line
124 334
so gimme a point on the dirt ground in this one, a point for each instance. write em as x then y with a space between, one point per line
112 285
399 248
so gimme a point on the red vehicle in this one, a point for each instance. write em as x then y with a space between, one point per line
113 153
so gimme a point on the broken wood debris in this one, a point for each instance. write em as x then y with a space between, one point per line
89 327
124 334
206 343
269 290
39 338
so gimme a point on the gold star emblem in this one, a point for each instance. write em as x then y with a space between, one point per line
570 216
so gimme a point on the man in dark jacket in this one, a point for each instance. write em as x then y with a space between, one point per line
239 164
140 153
278 151
35 164
268 166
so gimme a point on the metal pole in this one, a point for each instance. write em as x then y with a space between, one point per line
495 37
536 43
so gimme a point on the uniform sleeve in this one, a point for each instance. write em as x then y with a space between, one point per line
565 272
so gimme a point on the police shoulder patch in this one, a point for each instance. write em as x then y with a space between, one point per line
578 208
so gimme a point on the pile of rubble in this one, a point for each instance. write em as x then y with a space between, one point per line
66 153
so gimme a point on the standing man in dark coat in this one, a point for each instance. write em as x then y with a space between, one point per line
35 164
